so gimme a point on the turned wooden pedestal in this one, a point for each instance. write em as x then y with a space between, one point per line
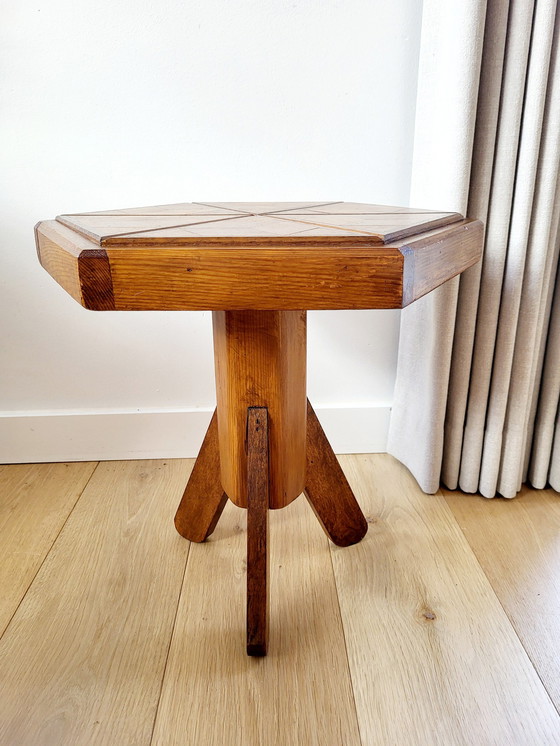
258 267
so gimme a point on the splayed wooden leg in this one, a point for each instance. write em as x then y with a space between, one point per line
204 499
328 491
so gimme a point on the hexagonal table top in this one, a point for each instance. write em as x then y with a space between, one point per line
261 255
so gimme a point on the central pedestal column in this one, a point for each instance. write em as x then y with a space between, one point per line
260 359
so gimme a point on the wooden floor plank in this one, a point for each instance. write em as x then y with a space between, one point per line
433 657
300 693
35 501
83 657
517 543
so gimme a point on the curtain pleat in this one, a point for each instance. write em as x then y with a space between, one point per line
538 269
545 314
552 368
538 449
497 231
546 451
503 473
448 80
488 417
479 197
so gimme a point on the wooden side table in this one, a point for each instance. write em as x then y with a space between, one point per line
259 267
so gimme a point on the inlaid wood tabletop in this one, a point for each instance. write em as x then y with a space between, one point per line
256 255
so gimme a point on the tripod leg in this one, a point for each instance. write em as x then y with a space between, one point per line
257 530
328 491
203 500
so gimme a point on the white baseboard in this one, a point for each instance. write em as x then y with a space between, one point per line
35 437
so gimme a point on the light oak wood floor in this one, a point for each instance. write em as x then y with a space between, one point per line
441 627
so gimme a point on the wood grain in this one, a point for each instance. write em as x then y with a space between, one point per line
177 208
328 491
106 229
277 261
516 543
259 230
257 532
260 361
96 280
242 278
387 227
203 499
83 664
36 500
58 249
433 656
300 692
431 260
77 264
357 208
250 230
430 645
260 208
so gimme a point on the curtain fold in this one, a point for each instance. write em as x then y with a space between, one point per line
448 80
484 148
547 430
482 397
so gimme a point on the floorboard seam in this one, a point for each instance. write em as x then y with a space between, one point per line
49 550
345 644
171 636
512 625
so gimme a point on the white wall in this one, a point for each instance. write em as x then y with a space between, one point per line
114 103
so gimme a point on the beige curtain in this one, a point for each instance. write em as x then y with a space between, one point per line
478 382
